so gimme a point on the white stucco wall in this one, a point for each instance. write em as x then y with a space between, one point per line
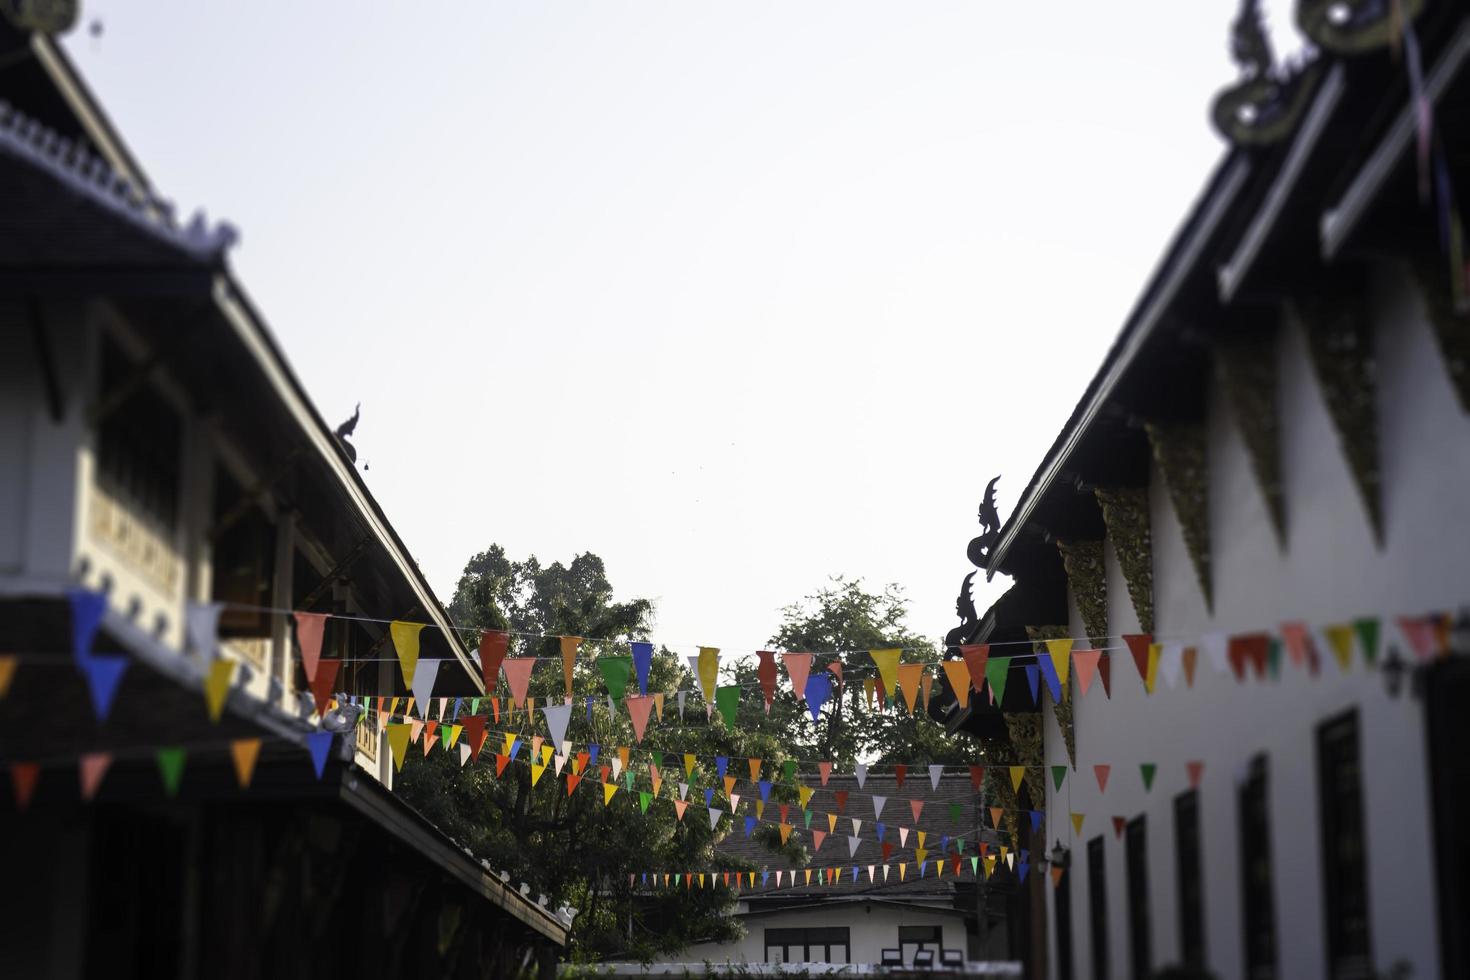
873 926
1329 571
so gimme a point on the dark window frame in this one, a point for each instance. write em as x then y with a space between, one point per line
920 937
1344 861
1189 872
1135 859
1062 904
1258 913
1097 894
806 939
139 442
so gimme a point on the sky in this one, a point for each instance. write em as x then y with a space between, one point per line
739 296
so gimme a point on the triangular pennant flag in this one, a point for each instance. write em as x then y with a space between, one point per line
852 845
958 675
714 817
1147 770
995 672
679 807
1102 777
1138 644
818 690
475 727
501 761
1086 661
1120 824
680 698
1196 770
689 760
878 804
398 735
926 685
1105 674
861 772
1018 773
537 769
728 700
104 673
23 778
243 753
569 645
936 772
1033 676
321 686
90 770
615 672
8 664
658 705
1077 819
887 663
977 776
817 837
557 718
493 644
1151 669
841 797
765 671
171 768
1188 659
1058 773
217 686
908 680
805 794
824 770
976 657
319 745
831 823
1340 639
423 682
857 825
309 629
755 769
785 833
798 667
406 645
995 815
903 837
642 661
709 671
518 676
638 705
87 610
1060 651
918 807
608 791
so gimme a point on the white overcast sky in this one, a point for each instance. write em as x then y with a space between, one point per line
737 295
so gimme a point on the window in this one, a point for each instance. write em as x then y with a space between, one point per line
911 939
1097 900
244 560
817 945
1344 875
1138 930
139 442
1062 902
1191 879
1257 912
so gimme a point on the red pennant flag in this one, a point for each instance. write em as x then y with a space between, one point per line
493 644
817 837
1191 657
501 761
1102 777
91 769
841 796
836 668
679 807
495 708
309 627
1120 824
572 780
474 730
975 656
602 773
1196 770
887 849
1138 644
1419 631
977 776
825 769
23 778
638 707
899 772
321 685
518 676
766 672
1086 662
1105 674
785 809
918 807
1252 649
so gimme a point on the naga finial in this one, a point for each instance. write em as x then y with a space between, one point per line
982 547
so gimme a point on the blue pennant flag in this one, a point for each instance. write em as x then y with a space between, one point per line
721 762
1053 682
765 788
1033 678
642 660
749 825
1021 868
87 608
515 746
319 744
592 754
881 830
765 877
709 797
943 843
589 709
104 673
818 690
1035 821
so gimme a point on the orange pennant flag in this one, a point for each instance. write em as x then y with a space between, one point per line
755 770
908 682
8 665
926 684
569 645
958 676
244 752
995 815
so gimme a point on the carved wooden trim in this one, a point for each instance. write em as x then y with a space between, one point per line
1125 512
1083 561
1451 327
1179 449
1245 366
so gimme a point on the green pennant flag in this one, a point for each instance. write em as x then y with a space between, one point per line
727 699
1058 773
644 798
959 845
956 811
996 669
1148 769
615 671
808 815
788 770
658 758
474 706
171 768
975 866
679 878
628 778
1273 662
1367 628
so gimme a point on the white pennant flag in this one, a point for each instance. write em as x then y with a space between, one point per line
903 837
557 716
201 625
681 705
857 825
1171 662
935 772
617 766
878 804
683 791
423 684
561 761
714 817
778 878
1216 647
885 872
734 801
464 754
852 845
870 874
862 773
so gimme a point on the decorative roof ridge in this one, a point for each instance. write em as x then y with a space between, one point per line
93 177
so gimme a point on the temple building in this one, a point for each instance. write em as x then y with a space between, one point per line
1248 548
170 496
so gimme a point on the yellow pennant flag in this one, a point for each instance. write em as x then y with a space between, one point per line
903 869
701 879
510 739
244 752
755 770
1151 674
406 642
1340 638
453 735
688 763
806 793
217 686
760 809
569 645
398 735
393 707
608 789
1077 819
958 674
1018 773
990 865
547 752
939 868
785 832
536 771
1061 658
709 672
995 815
908 680
808 876
8 665
831 823
408 709
658 705
869 688
922 835
887 661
